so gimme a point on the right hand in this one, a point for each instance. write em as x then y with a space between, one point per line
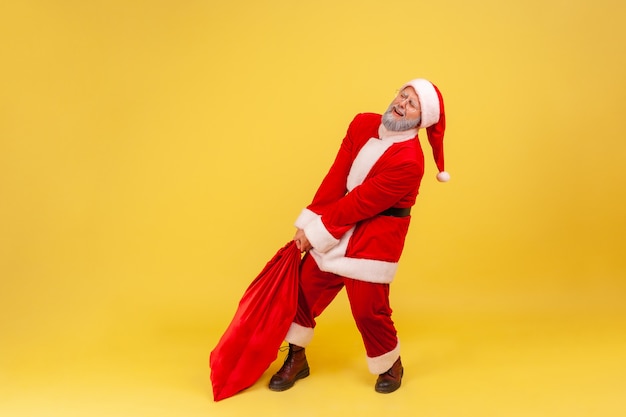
301 241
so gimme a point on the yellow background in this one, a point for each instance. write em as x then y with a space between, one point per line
154 154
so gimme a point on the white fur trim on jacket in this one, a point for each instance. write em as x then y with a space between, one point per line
331 256
383 363
371 152
336 261
365 160
315 230
319 237
305 217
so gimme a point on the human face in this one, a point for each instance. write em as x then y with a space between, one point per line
404 112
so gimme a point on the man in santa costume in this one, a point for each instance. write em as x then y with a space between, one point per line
354 229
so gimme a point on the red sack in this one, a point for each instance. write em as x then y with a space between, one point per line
251 341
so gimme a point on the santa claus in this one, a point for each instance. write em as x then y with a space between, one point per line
353 231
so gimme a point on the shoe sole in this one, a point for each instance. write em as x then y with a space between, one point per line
388 390
300 375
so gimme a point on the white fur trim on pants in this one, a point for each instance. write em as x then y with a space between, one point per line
299 335
383 363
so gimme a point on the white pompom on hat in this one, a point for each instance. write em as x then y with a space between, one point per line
433 120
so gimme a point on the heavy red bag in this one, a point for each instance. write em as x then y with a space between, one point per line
251 341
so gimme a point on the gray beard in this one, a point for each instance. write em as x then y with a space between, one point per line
398 125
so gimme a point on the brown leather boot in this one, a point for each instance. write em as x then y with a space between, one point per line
295 367
390 380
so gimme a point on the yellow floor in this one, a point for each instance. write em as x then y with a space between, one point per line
457 363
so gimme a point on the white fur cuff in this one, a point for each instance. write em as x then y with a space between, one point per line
383 363
299 335
319 237
305 217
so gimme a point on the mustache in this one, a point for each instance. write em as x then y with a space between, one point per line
398 110
398 125
393 108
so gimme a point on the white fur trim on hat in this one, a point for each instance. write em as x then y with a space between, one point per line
429 101
443 176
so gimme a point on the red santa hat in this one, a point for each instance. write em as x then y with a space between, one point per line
433 120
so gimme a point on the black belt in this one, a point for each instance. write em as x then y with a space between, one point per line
397 212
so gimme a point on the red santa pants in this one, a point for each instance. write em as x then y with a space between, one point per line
369 303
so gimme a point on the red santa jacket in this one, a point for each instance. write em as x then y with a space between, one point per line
375 169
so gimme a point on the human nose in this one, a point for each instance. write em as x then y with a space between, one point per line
406 102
